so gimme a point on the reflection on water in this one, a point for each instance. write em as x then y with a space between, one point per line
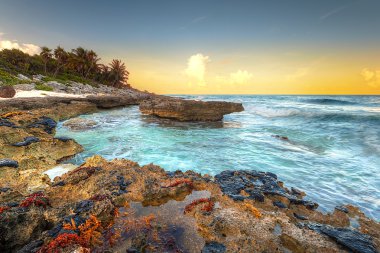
332 151
162 228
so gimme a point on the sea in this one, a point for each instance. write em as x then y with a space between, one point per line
326 146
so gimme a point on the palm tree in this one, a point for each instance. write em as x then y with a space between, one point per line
78 59
61 56
46 56
91 62
118 74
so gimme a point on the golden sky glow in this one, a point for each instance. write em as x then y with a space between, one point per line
290 73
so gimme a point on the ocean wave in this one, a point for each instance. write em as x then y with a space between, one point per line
318 115
328 101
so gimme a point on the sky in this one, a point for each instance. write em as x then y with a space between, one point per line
213 46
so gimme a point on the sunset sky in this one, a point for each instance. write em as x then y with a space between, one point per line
211 46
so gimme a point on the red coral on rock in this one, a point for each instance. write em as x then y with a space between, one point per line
62 241
37 199
180 181
206 208
3 208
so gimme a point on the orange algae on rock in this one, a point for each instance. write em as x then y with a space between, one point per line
89 231
206 208
62 241
253 210
11 114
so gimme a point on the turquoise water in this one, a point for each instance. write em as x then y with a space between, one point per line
333 151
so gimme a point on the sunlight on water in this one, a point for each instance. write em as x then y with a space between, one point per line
332 151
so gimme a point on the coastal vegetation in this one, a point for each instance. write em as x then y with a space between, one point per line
79 65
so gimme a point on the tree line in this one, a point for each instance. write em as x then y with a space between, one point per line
79 63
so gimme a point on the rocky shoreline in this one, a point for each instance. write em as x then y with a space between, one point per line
120 206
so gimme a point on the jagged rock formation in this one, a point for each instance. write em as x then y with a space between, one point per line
188 110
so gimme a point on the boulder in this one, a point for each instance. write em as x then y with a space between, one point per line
80 124
22 77
189 110
25 86
7 92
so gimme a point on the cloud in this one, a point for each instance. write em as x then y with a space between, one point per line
301 72
198 19
240 77
371 77
25 47
196 69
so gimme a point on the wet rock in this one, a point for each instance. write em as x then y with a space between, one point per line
349 238
48 124
4 189
300 217
63 138
84 206
342 209
8 163
256 185
283 138
214 247
7 92
31 247
7 123
27 141
189 110
279 204
78 124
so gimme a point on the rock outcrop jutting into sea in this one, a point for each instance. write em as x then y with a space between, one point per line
188 110
120 206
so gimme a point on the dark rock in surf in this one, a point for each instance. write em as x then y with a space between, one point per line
27 141
8 163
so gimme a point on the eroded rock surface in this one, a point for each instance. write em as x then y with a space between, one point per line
188 110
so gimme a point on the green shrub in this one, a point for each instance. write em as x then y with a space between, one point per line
41 86
7 79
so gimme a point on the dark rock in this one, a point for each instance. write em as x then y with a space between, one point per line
257 184
214 247
279 204
27 141
309 204
84 206
300 217
7 123
349 238
342 209
283 138
60 183
12 204
46 123
132 250
8 163
63 138
31 247
295 191
4 189
7 92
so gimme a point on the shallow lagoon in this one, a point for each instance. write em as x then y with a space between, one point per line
333 151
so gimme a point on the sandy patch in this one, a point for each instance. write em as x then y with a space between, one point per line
41 93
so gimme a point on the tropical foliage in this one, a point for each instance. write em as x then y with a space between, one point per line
79 64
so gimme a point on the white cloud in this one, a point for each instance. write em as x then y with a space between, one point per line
240 77
372 77
196 69
25 47
299 73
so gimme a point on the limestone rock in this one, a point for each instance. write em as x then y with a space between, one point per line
189 110
7 92
78 124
